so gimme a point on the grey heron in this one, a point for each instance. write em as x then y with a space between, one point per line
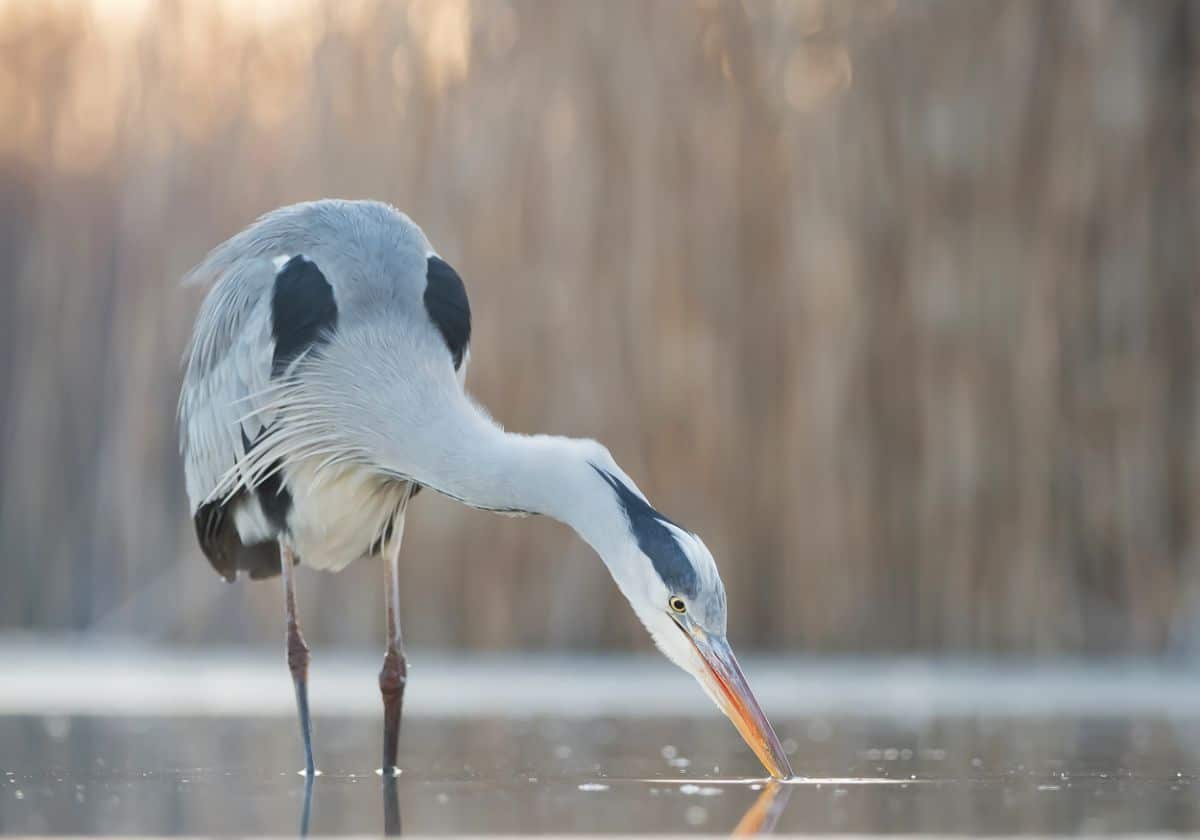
324 388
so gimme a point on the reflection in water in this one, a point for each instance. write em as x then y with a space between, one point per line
391 806
159 776
764 813
760 818
306 808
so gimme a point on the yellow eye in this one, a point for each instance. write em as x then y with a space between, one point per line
677 604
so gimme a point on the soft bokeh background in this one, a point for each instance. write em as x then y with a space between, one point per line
896 303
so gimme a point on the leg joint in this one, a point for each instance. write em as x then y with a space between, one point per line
297 652
394 674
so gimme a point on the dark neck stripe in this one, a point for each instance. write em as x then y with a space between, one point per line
654 538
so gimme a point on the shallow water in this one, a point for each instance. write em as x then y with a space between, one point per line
238 776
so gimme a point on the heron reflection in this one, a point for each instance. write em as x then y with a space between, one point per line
760 818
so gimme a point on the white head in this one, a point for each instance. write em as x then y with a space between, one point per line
671 581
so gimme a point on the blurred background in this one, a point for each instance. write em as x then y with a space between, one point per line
895 303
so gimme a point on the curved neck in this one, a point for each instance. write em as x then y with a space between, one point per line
486 467
555 477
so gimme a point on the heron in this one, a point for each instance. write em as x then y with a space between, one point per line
324 389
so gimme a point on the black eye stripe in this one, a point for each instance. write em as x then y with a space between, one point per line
653 533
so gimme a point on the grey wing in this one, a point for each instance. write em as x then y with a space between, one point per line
223 408
227 382
231 355
270 304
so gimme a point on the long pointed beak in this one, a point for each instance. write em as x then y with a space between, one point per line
727 685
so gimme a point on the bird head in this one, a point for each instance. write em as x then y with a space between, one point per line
671 581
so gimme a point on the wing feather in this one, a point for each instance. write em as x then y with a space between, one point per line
365 255
225 398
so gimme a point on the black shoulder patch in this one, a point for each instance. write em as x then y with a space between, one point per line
303 311
654 538
448 307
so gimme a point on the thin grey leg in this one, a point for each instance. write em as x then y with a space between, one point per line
394 674
297 654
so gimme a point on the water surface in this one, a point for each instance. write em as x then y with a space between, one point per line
171 776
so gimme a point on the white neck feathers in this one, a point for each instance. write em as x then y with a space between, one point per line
480 464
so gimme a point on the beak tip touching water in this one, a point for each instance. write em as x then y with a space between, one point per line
727 685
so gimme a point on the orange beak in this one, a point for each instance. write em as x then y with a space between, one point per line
727 685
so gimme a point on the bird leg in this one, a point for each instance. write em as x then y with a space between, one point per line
394 674
297 654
